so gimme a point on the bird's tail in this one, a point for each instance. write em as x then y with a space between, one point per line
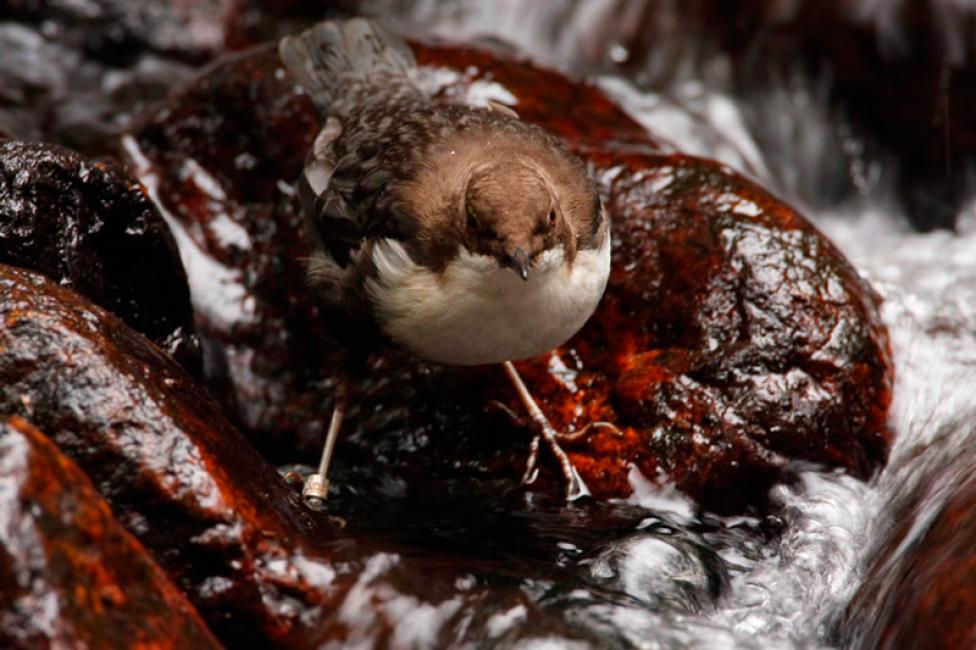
340 61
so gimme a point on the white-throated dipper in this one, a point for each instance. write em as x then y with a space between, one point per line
461 234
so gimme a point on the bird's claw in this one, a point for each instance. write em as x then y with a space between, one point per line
575 486
532 462
575 436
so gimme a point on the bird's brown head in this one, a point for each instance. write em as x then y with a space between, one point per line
512 214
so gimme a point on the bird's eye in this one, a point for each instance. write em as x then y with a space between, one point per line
552 217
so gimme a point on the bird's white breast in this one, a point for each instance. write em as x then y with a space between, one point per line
475 312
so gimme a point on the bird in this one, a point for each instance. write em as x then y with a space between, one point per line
461 234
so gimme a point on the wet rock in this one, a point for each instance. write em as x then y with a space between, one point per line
755 342
237 541
217 517
70 575
733 337
919 590
89 226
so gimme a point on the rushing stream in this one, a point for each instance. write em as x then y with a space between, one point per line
790 592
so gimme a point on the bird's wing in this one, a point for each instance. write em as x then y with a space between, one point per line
345 192
321 202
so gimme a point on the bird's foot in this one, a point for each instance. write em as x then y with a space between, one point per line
316 488
544 431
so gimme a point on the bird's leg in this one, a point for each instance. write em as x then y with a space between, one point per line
544 431
316 489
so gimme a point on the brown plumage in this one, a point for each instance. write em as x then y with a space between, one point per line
442 225
396 165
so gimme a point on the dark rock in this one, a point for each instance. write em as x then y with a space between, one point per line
734 335
89 226
732 339
919 590
70 575
234 536
214 513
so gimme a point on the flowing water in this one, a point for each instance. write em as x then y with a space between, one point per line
787 592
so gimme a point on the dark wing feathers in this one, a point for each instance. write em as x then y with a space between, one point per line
335 56
357 73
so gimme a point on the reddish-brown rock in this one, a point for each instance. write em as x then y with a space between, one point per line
733 336
89 226
217 516
235 538
70 575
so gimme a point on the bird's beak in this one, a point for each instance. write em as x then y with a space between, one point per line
518 261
